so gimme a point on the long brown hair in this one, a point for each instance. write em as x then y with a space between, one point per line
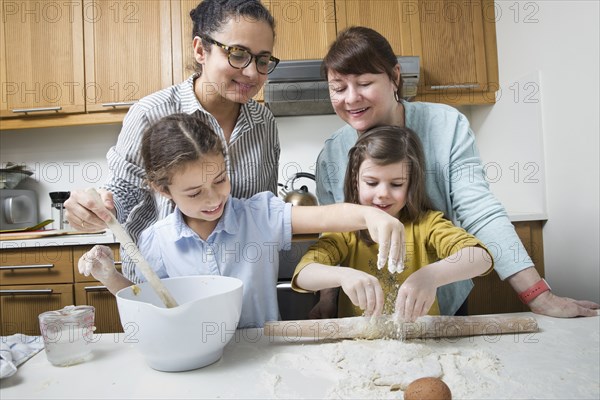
174 141
359 50
386 145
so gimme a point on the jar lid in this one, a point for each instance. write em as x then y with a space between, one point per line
69 313
59 197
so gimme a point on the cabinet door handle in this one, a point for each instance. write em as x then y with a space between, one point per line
27 291
284 285
118 262
119 104
463 86
35 266
98 288
32 110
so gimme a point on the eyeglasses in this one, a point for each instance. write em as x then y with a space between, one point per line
240 58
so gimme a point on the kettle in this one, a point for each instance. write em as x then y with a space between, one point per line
299 197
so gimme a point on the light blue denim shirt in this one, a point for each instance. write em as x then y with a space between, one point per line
245 245
455 184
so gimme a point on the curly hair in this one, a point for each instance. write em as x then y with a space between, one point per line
210 15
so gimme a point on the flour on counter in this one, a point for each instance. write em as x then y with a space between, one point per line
380 369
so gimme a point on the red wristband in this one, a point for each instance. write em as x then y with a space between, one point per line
534 291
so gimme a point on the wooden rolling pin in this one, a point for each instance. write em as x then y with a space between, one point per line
387 326
134 254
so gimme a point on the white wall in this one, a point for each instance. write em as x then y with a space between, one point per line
553 46
558 133
62 158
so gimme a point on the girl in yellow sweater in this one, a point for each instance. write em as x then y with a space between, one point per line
386 170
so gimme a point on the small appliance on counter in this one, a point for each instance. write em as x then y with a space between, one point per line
18 209
57 209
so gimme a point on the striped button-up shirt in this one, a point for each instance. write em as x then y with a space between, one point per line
252 156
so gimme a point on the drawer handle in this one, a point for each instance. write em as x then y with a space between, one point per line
32 110
27 291
284 285
118 262
27 266
98 288
465 86
119 104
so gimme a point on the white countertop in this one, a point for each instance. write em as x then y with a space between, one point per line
527 216
108 237
561 361
66 240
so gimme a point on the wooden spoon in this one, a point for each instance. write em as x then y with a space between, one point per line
134 253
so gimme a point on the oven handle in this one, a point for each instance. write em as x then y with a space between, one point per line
284 285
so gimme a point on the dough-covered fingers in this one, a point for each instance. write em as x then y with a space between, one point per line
99 262
382 254
363 290
396 252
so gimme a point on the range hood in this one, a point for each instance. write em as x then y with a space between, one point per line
297 87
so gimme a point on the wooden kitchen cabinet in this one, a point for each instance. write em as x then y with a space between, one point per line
20 306
89 291
390 18
123 49
183 53
492 295
35 280
127 51
32 281
304 29
41 62
455 41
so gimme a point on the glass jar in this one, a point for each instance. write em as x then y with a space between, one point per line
68 334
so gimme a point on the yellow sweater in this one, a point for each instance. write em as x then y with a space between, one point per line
430 240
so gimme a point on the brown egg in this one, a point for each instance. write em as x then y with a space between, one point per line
427 389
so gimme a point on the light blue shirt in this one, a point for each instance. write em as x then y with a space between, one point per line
455 183
245 245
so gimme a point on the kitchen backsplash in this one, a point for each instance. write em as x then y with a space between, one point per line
75 157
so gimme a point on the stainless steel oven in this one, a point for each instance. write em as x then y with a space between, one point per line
293 305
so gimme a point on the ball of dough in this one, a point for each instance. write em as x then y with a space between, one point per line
427 389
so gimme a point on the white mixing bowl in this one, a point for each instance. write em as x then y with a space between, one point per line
189 336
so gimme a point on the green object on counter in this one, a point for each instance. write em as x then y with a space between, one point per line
30 228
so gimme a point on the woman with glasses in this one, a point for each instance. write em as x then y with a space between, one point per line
233 44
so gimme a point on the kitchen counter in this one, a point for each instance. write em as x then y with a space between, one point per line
71 239
561 361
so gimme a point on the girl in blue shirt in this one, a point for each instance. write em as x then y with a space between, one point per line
212 233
